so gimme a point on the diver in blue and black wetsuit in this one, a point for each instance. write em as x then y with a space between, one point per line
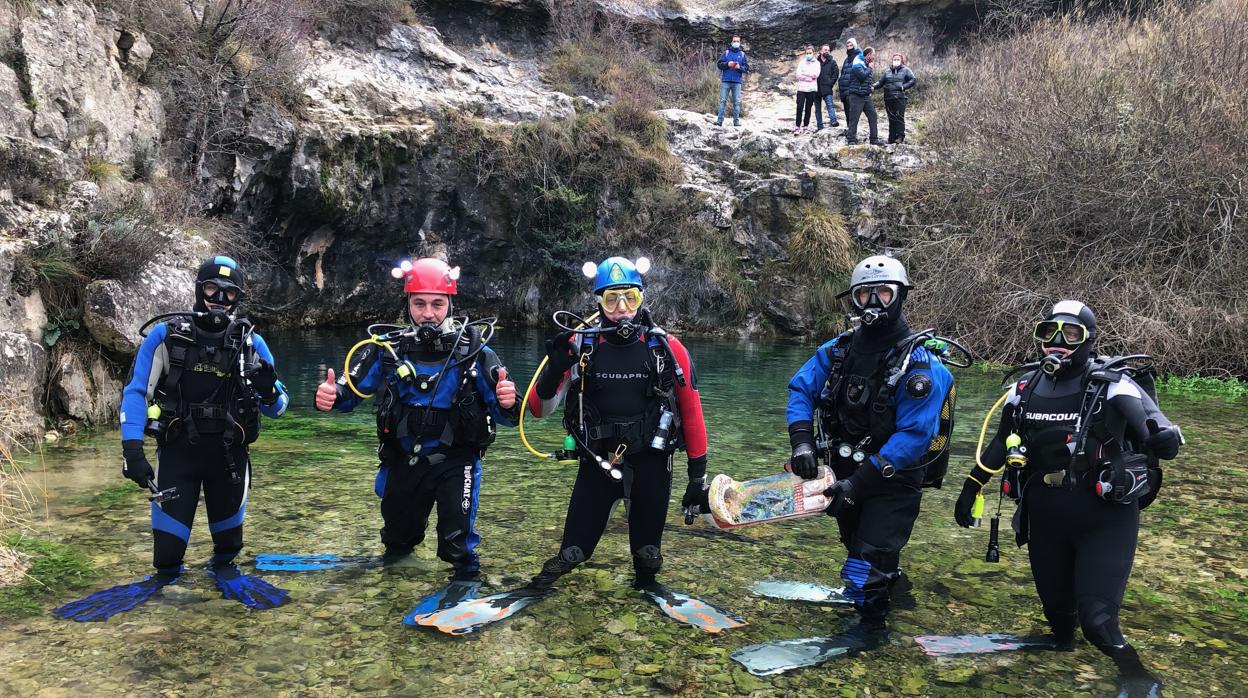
199 383
881 402
440 395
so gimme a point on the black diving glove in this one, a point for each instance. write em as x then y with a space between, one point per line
560 354
263 378
849 492
1163 443
696 495
966 503
803 463
134 465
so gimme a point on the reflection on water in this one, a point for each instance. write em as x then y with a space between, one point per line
1185 607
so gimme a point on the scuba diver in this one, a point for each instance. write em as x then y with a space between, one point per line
631 402
198 385
1081 435
882 403
441 392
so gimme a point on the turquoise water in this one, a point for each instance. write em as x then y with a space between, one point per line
1185 608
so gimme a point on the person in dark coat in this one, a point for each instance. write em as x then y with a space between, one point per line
828 75
856 81
896 81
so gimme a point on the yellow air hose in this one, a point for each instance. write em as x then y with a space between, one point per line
524 404
983 431
346 364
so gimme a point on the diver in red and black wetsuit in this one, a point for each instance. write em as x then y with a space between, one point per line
631 401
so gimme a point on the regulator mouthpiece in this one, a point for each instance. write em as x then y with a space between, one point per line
1052 363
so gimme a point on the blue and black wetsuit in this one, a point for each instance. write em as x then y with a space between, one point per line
209 417
843 380
434 426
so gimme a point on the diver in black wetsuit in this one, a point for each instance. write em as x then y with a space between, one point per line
1086 465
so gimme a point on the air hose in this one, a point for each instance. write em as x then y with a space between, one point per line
983 431
524 404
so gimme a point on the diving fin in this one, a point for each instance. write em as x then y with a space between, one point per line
695 612
105 604
768 658
312 563
945 645
801 591
250 591
466 616
452 593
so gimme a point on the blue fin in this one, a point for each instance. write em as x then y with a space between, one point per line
800 591
944 645
467 616
105 604
770 658
250 591
442 599
687 609
311 563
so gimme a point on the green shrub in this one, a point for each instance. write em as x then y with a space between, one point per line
1116 179
101 171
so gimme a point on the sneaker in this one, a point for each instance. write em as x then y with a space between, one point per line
851 142
835 123
736 123
719 123
818 129
797 131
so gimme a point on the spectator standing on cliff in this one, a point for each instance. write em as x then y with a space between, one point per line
856 81
733 66
896 80
807 89
828 74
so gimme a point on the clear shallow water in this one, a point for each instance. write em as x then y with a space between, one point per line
1185 609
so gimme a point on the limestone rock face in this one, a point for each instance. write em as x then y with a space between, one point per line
114 311
78 82
22 367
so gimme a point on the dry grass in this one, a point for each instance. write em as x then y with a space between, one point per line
16 499
1115 177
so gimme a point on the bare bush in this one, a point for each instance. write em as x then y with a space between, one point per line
1115 177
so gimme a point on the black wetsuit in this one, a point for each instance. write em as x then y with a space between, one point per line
1081 547
618 388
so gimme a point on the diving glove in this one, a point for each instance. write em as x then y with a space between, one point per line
1163 443
849 492
264 379
966 503
560 354
134 463
803 462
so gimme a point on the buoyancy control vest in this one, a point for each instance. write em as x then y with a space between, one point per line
619 393
857 407
1065 426
431 403
203 393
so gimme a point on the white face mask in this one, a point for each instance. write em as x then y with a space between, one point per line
896 64
810 56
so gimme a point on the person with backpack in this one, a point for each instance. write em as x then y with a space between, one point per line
441 393
879 399
855 84
631 401
1079 442
198 385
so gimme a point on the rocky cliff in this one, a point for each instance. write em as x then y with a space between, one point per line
362 171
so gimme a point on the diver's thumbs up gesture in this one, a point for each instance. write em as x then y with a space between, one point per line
505 390
327 392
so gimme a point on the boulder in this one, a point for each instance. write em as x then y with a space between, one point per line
85 389
21 306
22 366
113 312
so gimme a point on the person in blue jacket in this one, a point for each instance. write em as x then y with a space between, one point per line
733 66
441 393
856 83
877 396
199 383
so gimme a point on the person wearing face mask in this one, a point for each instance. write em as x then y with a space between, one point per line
198 385
441 393
733 66
1083 438
632 401
896 81
828 75
856 82
807 89
879 399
